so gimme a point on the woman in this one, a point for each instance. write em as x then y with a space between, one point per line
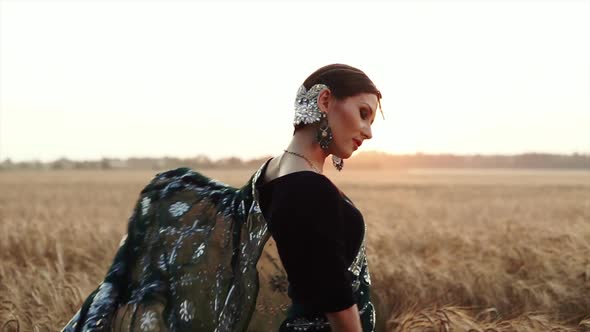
195 246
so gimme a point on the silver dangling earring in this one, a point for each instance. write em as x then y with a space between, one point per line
324 133
337 162
324 137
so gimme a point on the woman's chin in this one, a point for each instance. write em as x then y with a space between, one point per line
345 155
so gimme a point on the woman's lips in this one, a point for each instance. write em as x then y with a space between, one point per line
357 144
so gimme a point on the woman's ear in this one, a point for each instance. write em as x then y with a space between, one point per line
324 99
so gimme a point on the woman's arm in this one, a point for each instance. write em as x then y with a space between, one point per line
347 320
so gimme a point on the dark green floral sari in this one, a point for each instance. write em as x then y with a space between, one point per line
197 257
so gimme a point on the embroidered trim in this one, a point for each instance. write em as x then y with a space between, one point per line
303 324
358 261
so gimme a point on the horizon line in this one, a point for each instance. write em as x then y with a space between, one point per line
201 155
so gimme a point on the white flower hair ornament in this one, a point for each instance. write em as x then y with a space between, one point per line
306 104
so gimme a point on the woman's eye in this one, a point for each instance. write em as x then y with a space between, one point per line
363 114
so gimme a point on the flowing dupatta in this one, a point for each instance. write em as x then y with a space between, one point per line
196 257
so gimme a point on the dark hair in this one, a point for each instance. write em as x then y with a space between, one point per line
343 81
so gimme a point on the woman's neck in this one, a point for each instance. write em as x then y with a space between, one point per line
304 143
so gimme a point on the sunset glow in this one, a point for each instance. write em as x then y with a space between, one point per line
95 79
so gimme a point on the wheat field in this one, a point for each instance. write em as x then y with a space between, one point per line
449 250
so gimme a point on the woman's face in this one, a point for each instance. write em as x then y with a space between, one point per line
350 120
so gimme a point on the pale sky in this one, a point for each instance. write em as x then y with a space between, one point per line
93 79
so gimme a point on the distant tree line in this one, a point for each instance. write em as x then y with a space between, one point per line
363 160
198 162
419 160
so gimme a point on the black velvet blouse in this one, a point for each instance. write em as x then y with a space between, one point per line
319 236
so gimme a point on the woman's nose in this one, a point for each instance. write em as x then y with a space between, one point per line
367 132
